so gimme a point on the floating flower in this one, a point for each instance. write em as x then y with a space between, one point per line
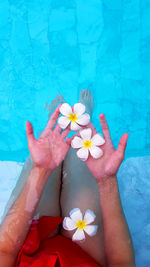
76 221
77 118
87 144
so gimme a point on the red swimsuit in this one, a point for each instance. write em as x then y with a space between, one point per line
41 251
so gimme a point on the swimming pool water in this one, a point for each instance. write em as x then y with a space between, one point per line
60 47
51 47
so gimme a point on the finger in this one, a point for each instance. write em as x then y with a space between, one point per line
69 139
53 118
105 127
29 133
65 132
57 129
90 125
122 144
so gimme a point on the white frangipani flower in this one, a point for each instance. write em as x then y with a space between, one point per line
77 221
86 143
75 117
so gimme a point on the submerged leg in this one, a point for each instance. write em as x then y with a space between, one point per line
49 203
80 190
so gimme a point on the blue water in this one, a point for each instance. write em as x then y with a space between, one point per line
55 47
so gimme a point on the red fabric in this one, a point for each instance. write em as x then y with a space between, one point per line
41 251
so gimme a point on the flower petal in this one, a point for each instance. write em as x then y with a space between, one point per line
86 134
78 235
77 142
96 152
83 119
65 109
63 122
76 215
89 216
68 224
75 127
83 153
91 229
97 140
79 109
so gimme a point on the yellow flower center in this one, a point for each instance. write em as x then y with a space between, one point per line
81 224
87 143
73 117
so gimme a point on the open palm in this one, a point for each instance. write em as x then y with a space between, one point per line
51 148
109 163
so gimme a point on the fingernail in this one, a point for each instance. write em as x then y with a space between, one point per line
101 115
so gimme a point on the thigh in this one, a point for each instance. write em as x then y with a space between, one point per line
80 190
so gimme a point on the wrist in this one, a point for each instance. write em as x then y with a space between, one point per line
108 183
42 172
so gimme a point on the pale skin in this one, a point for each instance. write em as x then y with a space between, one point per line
47 153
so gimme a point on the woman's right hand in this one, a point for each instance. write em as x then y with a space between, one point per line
51 148
111 160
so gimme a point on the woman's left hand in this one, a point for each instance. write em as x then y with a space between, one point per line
109 163
51 148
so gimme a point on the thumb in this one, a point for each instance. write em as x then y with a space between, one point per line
29 133
69 139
